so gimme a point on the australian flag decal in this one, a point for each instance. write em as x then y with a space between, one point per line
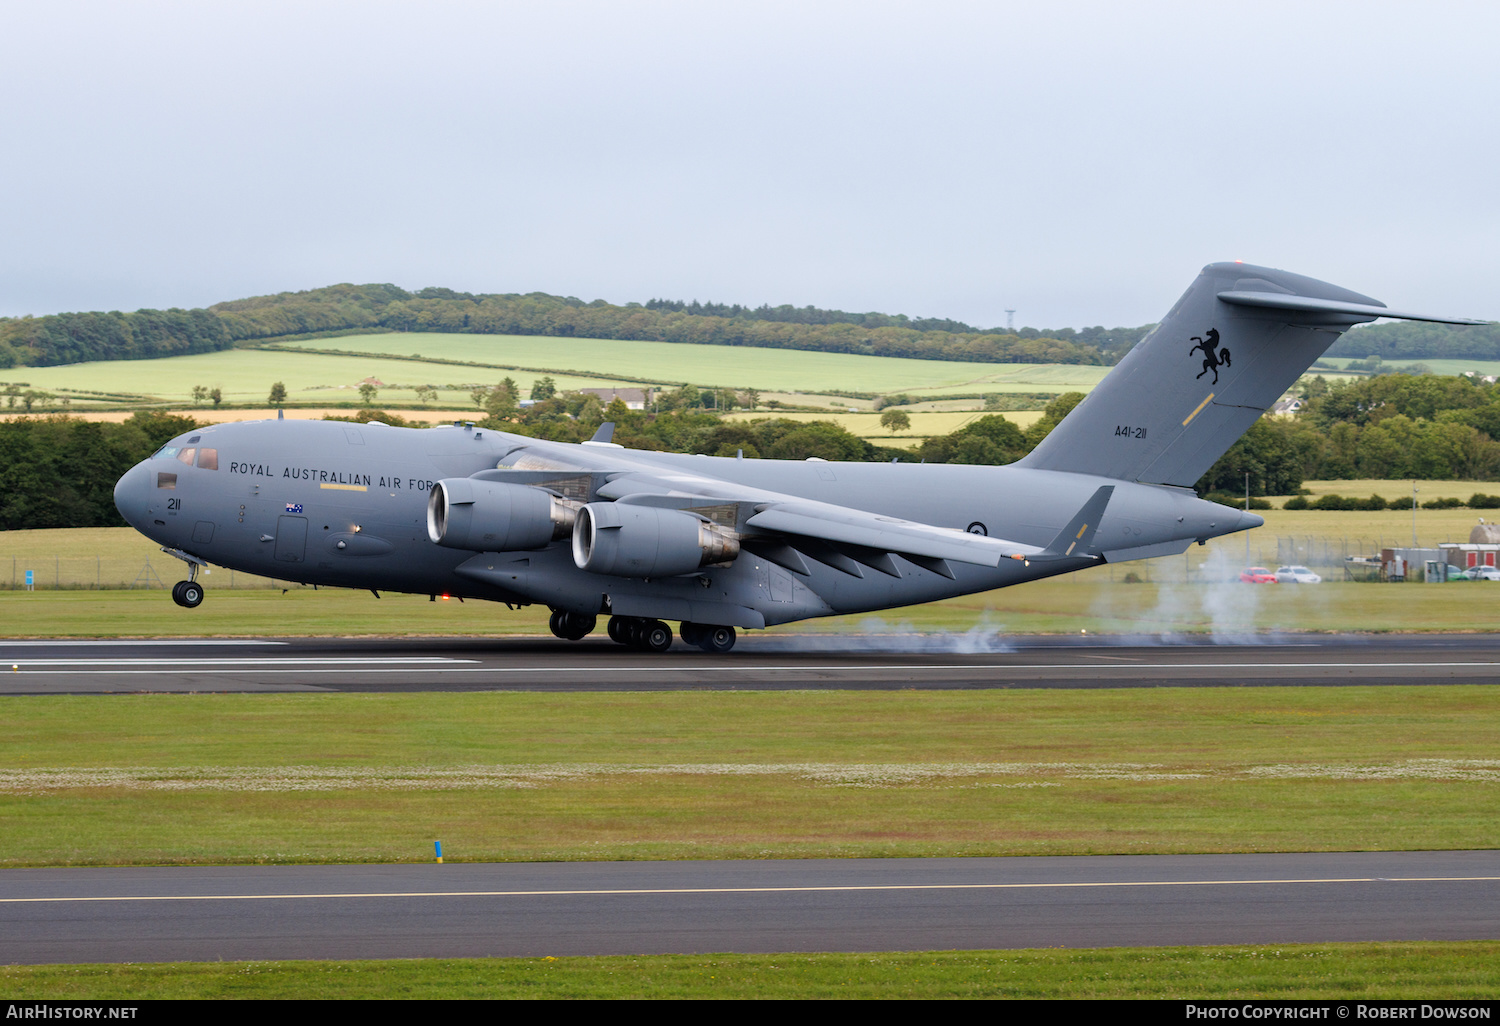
294 507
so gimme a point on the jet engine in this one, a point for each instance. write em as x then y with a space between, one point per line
626 540
493 516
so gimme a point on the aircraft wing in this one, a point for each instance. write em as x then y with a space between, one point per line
783 528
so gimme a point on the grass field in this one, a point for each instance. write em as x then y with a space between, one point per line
1179 593
268 778
1279 972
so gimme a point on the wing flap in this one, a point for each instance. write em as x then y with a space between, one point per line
841 525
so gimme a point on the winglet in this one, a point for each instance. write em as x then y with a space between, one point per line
1077 539
606 432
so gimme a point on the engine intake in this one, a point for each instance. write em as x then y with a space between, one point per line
492 516
626 540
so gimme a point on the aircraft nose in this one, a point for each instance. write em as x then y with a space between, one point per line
130 495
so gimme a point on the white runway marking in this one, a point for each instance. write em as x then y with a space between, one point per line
447 665
830 889
248 661
153 643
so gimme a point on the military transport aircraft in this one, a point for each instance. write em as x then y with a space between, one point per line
718 543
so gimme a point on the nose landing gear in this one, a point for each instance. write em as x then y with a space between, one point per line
188 593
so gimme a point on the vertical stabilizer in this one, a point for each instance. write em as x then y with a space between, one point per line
1234 343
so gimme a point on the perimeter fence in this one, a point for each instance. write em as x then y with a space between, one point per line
113 572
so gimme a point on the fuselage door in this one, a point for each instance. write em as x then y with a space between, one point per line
291 539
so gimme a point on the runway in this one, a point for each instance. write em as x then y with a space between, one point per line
766 662
482 910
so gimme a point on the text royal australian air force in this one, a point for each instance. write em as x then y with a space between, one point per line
322 475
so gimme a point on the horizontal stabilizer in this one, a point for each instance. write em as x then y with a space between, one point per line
1276 301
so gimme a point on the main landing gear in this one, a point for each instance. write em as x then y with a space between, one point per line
640 633
571 626
647 635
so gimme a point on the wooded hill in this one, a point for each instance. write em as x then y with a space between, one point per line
75 337
340 309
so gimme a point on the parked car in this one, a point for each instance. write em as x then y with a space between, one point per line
1296 575
1257 575
1482 573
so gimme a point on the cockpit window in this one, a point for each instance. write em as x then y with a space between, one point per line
166 480
208 459
166 452
186 456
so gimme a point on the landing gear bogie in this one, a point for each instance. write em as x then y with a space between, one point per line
571 626
708 637
640 634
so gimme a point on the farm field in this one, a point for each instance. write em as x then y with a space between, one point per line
786 370
791 376
246 375
1393 491
868 426
1437 366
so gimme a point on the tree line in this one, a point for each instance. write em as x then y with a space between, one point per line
145 334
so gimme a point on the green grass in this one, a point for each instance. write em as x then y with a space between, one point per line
1089 601
215 779
1096 600
1350 972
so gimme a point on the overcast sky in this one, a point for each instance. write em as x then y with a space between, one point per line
1075 161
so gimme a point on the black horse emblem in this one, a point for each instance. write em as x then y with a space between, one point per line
1213 356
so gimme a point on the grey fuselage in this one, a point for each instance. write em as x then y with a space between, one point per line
346 505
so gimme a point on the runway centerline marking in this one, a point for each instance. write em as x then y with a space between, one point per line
829 889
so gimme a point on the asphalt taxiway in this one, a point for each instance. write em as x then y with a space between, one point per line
765 662
483 910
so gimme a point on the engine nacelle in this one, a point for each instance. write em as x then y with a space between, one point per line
626 540
493 516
